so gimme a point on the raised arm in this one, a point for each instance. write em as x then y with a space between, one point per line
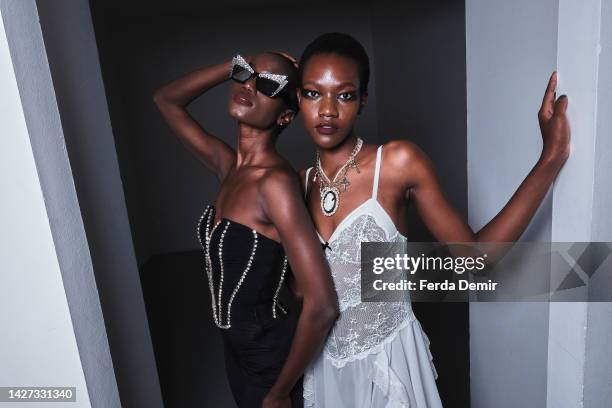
172 100
510 223
283 204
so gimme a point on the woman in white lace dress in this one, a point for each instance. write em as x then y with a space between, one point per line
377 354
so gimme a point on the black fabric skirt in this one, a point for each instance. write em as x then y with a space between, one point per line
255 352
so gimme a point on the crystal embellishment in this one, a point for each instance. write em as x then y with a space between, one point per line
217 305
278 78
238 60
278 288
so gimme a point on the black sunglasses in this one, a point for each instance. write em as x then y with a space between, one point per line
265 82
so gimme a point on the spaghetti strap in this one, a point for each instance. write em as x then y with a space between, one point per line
306 181
376 172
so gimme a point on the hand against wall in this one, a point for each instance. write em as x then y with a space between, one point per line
554 124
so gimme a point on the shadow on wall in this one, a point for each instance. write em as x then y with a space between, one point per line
415 50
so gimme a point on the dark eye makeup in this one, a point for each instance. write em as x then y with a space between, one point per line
309 93
348 96
342 96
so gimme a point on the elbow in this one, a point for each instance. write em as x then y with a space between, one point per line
164 98
328 312
321 313
158 96
332 313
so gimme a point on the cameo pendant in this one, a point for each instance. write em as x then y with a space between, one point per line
330 200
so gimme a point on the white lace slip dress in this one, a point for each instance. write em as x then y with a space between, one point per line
377 354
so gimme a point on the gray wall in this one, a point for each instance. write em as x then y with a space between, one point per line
52 326
510 53
579 367
602 222
73 60
511 50
167 188
598 365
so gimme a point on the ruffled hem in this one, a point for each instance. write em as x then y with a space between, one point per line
387 380
382 373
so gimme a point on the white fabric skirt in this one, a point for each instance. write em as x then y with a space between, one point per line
401 373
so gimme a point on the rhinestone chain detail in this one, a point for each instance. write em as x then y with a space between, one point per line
244 274
325 181
219 304
216 303
280 284
207 260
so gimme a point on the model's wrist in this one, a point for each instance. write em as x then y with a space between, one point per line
228 68
276 393
551 160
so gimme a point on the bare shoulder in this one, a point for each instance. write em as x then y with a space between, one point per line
279 183
281 197
402 152
407 160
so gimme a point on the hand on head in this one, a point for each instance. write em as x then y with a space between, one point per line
289 57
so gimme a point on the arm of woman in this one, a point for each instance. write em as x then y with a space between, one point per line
172 100
510 223
283 204
291 283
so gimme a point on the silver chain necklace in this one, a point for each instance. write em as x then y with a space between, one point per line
329 189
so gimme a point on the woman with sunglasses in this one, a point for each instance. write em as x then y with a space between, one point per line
377 354
257 227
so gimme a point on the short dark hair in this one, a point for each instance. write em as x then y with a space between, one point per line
343 45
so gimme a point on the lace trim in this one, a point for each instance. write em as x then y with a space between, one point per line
339 363
308 389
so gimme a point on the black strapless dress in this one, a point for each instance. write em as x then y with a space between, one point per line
246 271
